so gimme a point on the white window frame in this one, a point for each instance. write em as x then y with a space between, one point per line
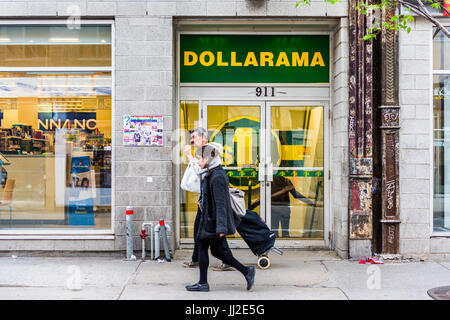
433 233
65 233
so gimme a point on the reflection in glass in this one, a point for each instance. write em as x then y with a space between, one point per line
441 50
188 200
55 149
441 146
55 46
297 159
237 129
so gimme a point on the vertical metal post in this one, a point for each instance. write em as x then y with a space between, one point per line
130 232
157 242
164 239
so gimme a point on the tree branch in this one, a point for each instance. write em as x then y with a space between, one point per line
422 11
434 20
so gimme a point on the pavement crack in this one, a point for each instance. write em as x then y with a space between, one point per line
343 292
318 284
130 280
439 263
324 265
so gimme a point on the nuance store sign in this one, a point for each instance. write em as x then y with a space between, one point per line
254 58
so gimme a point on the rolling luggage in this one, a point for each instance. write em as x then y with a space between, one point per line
258 237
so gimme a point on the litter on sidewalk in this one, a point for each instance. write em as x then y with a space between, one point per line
371 261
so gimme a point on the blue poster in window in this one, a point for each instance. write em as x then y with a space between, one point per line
81 196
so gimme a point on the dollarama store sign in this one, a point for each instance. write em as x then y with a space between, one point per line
216 58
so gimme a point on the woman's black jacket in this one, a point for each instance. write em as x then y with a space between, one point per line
216 215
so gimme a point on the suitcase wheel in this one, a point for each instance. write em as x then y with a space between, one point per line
263 262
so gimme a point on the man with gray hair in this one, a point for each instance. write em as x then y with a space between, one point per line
199 138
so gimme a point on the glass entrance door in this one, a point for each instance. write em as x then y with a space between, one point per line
275 152
295 170
237 127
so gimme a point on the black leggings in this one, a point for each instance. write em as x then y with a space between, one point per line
218 250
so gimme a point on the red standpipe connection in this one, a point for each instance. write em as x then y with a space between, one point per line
143 235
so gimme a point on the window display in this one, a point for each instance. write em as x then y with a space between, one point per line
55 148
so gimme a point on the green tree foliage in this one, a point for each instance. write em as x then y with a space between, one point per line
399 21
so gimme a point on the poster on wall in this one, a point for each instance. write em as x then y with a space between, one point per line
81 196
142 130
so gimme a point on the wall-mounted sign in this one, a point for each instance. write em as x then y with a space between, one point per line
142 130
254 58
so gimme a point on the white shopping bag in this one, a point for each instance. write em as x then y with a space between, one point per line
191 180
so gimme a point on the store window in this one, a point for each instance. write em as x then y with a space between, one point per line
55 46
55 127
441 132
188 200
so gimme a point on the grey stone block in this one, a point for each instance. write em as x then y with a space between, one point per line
315 9
132 154
407 51
158 92
359 249
158 33
131 8
130 92
71 8
99 245
128 63
14 8
221 8
69 245
414 201
408 246
42 8
131 33
162 8
159 63
440 245
188 8
148 198
415 230
101 8
421 67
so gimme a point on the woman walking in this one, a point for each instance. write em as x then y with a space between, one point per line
217 219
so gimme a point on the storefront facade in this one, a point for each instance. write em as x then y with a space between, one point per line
269 81
272 125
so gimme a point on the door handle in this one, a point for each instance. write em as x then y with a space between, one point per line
261 172
269 172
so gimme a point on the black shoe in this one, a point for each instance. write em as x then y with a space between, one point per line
250 277
198 287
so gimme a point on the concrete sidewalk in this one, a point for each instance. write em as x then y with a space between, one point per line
296 275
